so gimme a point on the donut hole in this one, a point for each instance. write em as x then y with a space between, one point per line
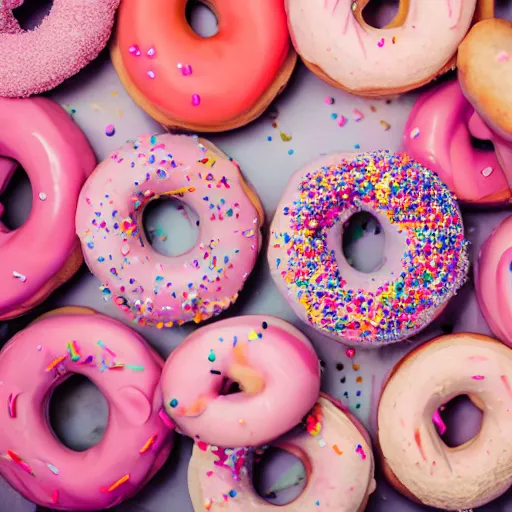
481 144
16 199
171 227
462 421
229 387
78 413
502 9
363 242
202 18
378 13
32 12
279 476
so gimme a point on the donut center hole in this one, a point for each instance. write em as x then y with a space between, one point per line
481 144
171 227
363 242
15 199
458 421
78 413
229 387
279 476
379 13
32 12
202 18
502 9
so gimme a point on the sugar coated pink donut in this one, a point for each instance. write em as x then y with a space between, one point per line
44 252
73 34
138 437
333 446
252 351
438 135
161 290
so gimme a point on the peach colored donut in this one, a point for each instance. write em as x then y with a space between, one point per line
492 281
249 350
138 438
335 42
161 290
35 61
415 459
331 443
44 252
203 84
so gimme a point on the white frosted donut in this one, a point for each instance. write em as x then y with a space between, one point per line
416 460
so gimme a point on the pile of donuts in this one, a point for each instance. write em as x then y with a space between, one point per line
84 211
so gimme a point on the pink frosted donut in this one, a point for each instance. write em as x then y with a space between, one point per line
333 446
35 61
492 281
438 135
44 252
251 351
138 438
161 290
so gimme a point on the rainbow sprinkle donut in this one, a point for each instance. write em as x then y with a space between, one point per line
425 257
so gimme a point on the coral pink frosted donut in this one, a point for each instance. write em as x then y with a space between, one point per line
203 84
249 350
492 281
438 135
73 34
336 43
425 258
333 446
138 437
416 461
44 252
156 289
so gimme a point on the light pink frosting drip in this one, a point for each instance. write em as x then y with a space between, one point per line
153 288
73 34
55 154
438 135
274 350
493 281
32 459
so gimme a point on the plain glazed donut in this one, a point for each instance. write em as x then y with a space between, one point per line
333 446
138 438
44 252
420 44
415 459
72 35
492 281
251 351
161 290
209 84
425 258
438 135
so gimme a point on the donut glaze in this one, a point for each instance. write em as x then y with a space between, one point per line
152 288
137 440
203 84
425 257
251 351
44 252
335 42
332 445
416 460
492 281
72 35
438 135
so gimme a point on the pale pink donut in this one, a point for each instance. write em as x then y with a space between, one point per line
138 438
270 360
73 34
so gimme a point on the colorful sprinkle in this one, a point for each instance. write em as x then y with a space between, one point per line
18 276
211 356
166 420
151 74
196 100
149 443
110 130
173 403
487 172
358 115
439 423
336 449
52 468
380 43
415 132
11 405
42 196
342 121
478 377
56 362
329 100
117 484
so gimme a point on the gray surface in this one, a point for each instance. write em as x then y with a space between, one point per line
99 100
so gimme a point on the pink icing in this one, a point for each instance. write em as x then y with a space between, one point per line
136 442
70 37
229 72
438 135
156 289
54 152
195 372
